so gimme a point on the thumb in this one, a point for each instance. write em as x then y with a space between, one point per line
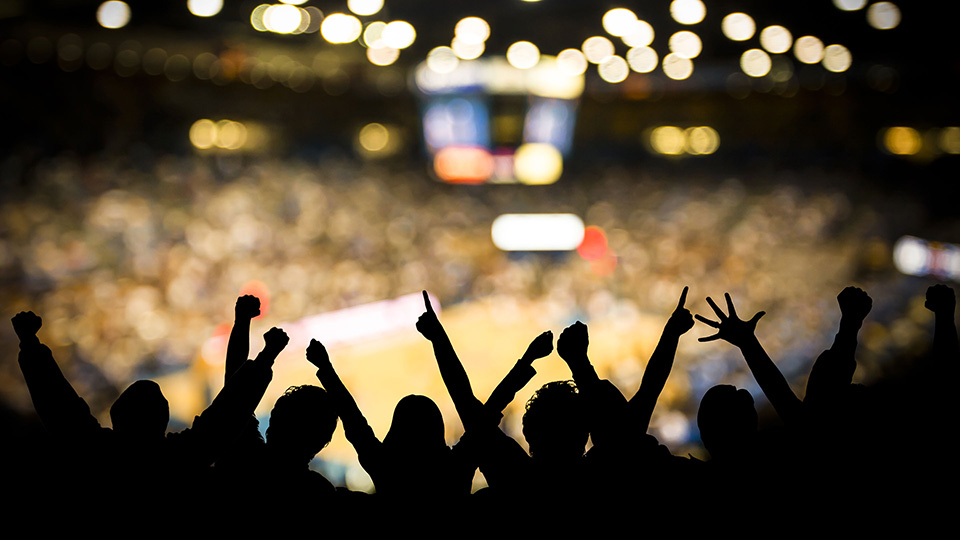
757 317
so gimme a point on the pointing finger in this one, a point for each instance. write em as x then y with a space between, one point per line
683 298
426 302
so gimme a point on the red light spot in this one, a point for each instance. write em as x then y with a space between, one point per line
594 244
463 164
260 290
605 265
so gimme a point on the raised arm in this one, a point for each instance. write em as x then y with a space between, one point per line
62 410
454 376
355 426
238 347
834 368
519 375
741 334
660 365
942 301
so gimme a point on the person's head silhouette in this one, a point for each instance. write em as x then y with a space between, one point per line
417 426
301 423
555 423
141 411
727 420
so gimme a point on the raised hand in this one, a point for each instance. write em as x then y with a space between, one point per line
941 300
275 340
573 341
428 324
317 354
730 328
248 307
681 321
541 346
26 324
854 303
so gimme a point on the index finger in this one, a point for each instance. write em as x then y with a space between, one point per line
426 302
683 298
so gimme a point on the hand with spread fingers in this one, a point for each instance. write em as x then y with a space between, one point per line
730 328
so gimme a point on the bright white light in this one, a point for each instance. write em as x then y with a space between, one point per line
571 62
738 26
467 51
382 56
808 50
282 18
293 2
613 69
640 34
755 63
364 7
442 60
339 28
373 34
399 34
523 55
776 39
472 30
619 21
685 44
537 232
642 59
677 67
849 5
204 8
597 49
883 15
113 14
837 58
910 255
687 11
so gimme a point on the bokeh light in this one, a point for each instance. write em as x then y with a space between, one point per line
738 26
339 28
883 15
902 141
537 232
537 164
364 7
701 140
256 17
467 51
523 55
571 62
642 59
594 245
113 14
382 55
808 49
837 58
640 34
472 30
688 11
668 140
677 67
203 134
204 8
755 63
373 34
399 34
950 140
597 49
776 39
613 69
442 60
374 137
619 21
284 19
685 44
849 5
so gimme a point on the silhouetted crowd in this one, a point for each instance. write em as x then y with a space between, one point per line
844 452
